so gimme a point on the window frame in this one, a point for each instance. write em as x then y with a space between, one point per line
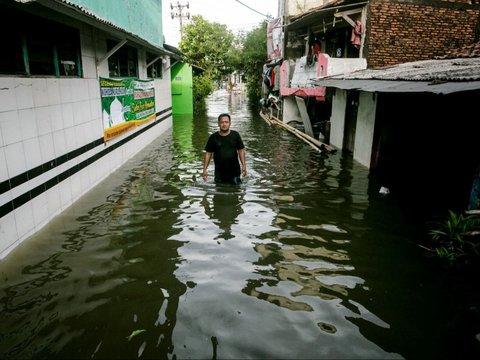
122 59
54 34
155 66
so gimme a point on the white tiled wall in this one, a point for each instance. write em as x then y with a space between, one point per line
44 118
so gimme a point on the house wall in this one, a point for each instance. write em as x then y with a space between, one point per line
337 120
401 31
182 91
51 141
365 128
140 17
290 109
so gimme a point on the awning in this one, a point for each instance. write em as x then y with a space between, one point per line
443 76
323 11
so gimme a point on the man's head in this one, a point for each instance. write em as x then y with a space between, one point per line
224 122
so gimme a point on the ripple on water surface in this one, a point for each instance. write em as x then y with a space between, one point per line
157 263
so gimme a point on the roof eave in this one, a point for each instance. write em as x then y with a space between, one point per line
101 24
395 86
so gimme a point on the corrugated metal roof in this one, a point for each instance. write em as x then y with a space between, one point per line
323 10
435 76
401 86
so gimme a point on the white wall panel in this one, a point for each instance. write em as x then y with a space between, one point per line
53 91
7 94
27 122
33 156
16 163
55 114
47 148
24 220
11 132
24 93
3 166
8 233
66 91
40 210
40 92
67 115
42 120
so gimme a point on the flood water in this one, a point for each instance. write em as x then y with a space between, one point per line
303 260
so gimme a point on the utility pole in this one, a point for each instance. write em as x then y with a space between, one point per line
179 13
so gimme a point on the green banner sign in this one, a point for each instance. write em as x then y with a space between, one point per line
126 103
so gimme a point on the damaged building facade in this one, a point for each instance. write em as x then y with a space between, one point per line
404 135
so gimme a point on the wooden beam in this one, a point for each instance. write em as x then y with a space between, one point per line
154 61
347 19
111 52
349 12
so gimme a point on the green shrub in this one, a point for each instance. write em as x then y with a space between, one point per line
202 87
456 238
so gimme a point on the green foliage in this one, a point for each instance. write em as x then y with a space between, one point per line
202 87
456 238
252 59
207 45
212 47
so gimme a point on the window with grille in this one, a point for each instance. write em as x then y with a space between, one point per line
33 45
124 62
154 71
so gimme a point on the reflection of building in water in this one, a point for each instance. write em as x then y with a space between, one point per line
127 245
224 208
236 101
318 270
182 133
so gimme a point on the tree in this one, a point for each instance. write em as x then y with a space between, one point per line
252 60
213 48
207 45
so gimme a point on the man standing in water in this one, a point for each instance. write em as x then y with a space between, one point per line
227 147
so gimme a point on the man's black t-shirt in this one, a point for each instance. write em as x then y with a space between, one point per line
225 155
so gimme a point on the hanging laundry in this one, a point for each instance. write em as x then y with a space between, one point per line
357 31
276 84
267 77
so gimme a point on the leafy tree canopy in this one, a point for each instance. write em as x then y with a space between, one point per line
208 45
215 49
254 53
255 49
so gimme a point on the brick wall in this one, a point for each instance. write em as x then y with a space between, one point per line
400 31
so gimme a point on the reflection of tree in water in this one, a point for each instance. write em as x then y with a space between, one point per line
92 286
223 207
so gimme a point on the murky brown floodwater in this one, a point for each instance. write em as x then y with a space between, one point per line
301 261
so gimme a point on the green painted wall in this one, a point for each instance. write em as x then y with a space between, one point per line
182 94
140 17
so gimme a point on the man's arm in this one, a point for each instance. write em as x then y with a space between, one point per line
206 162
241 155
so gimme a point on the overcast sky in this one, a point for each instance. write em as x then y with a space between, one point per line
229 12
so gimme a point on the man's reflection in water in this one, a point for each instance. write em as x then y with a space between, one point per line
223 207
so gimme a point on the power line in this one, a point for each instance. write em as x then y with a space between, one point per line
258 12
